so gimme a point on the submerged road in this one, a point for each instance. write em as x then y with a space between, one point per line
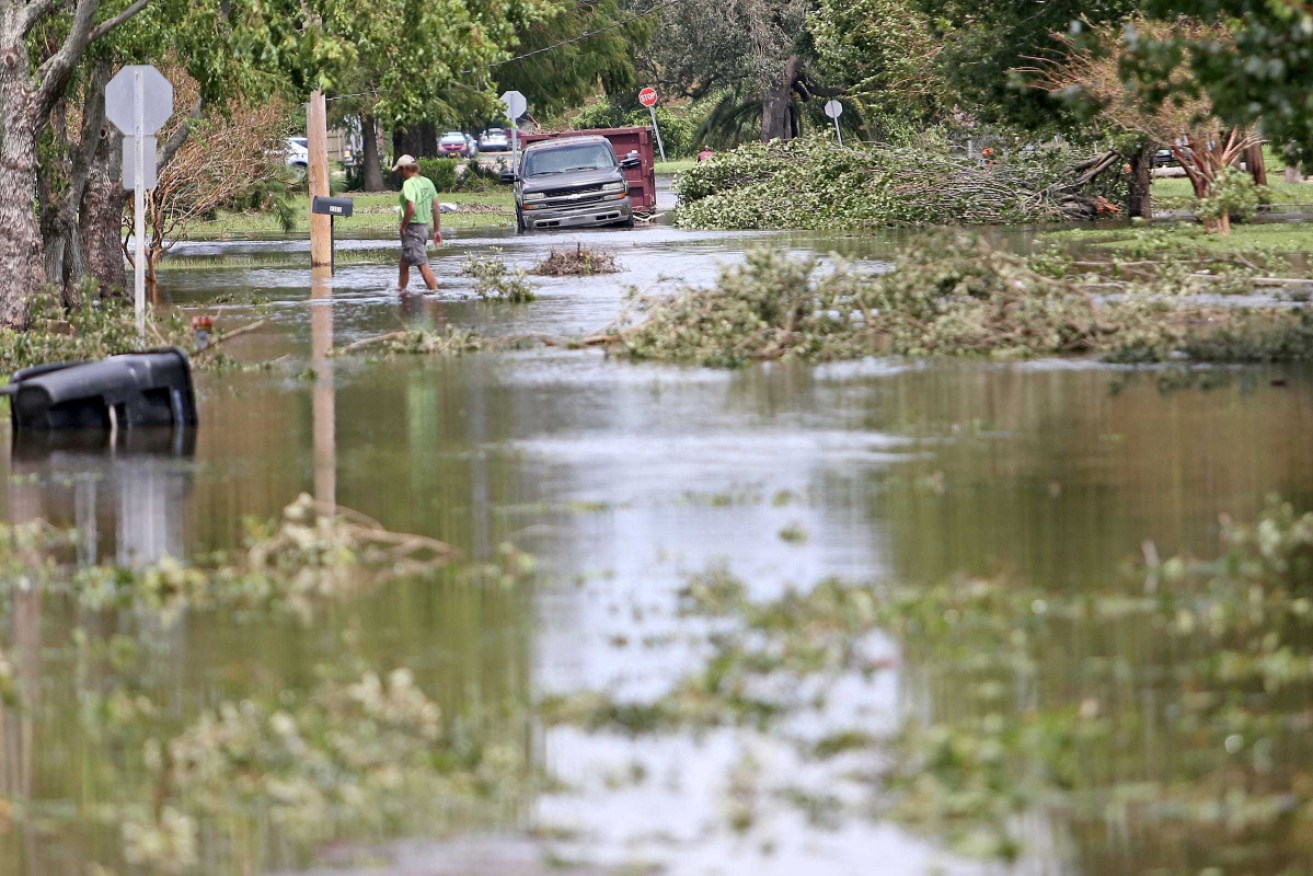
622 480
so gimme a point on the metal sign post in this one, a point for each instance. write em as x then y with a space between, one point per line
515 104
648 98
834 109
139 100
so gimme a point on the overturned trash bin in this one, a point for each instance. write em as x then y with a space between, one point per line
120 392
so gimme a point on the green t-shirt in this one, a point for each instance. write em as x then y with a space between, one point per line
420 190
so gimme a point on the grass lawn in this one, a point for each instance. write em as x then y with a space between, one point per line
1278 237
373 213
677 166
1175 193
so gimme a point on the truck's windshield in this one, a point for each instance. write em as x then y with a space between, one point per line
587 156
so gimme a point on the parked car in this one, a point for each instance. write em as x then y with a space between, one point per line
494 140
296 153
572 182
1164 158
453 143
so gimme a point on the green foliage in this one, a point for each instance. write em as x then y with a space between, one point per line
1264 77
957 297
974 765
1234 194
96 330
816 184
567 75
882 51
978 47
368 753
678 129
494 280
440 171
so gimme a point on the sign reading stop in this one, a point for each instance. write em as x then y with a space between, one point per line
139 100
139 96
647 97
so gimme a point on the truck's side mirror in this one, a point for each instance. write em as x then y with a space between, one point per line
508 176
631 160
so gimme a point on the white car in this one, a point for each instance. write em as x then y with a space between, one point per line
494 140
296 152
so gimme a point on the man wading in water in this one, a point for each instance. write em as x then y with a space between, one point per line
418 199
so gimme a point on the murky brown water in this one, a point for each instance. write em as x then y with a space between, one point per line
618 479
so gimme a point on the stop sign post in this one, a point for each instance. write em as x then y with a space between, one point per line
138 101
515 104
834 109
648 98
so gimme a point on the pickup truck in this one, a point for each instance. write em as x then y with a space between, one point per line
572 182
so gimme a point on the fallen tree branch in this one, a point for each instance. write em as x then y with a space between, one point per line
379 339
227 336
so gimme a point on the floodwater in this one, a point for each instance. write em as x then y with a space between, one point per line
620 480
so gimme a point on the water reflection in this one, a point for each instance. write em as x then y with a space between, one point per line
324 397
125 493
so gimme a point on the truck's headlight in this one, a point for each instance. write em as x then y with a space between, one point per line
534 196
615 187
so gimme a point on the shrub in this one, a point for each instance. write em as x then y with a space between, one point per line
1234 194
442 171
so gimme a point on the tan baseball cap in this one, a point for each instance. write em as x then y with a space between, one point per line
404 161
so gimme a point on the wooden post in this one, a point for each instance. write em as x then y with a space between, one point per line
321 243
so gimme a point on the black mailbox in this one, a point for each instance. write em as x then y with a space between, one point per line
332 206
124 392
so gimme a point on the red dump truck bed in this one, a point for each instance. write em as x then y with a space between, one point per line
642 179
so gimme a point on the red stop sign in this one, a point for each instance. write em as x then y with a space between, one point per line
647 97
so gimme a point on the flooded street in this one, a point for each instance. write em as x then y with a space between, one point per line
606 484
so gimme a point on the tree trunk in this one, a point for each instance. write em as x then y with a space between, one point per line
775 104
1139 197
21 265
1254 162
101 219
370 165
419 139
66 255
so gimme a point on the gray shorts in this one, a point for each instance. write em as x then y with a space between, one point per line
415 245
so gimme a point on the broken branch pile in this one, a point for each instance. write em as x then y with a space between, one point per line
818 185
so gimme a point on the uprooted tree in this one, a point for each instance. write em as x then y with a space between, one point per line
1183 122
231 153
812 183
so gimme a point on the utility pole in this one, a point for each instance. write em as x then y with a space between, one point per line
321 234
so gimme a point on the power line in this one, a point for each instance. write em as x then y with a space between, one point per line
583 36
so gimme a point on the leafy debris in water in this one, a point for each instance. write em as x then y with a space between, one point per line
1197 745
582 261
494 280
951 296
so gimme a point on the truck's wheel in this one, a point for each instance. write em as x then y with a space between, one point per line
519 222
